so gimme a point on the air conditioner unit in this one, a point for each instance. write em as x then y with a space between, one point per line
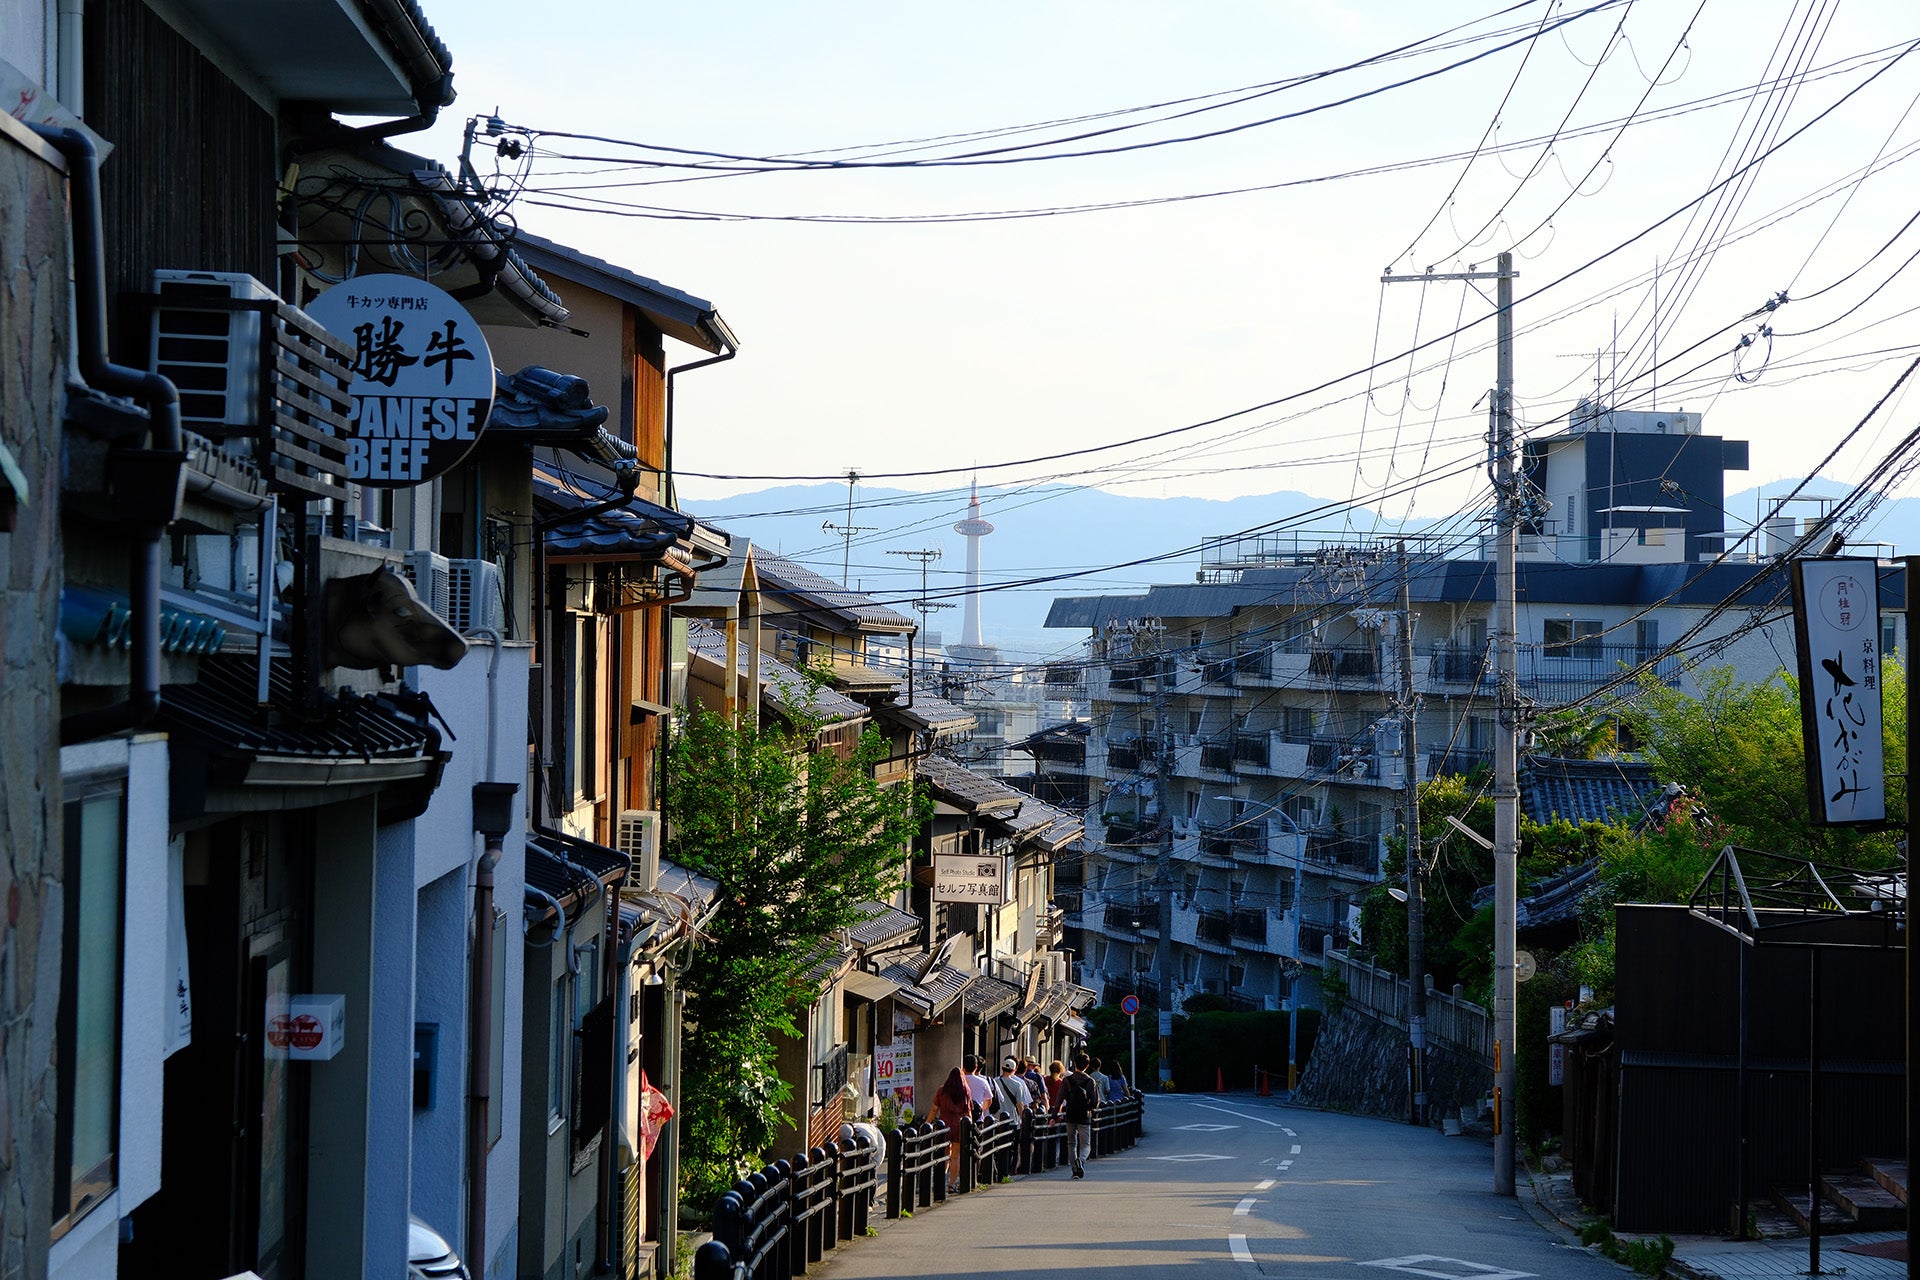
432 579
639 838
210 353
476 597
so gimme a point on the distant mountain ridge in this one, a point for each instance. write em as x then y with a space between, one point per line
1060 540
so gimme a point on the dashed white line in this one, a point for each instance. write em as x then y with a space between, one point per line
1295 1151
1241 1253
1245 1207
1285 1165
1266 1185
1239 1115
1290 1133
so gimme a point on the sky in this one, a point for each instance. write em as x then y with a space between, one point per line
916 351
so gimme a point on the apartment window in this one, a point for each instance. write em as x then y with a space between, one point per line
87 1029
1189 968
1571 637
1296 723
1646 637
1193 639
1479 733
1190 885
1193 722
1193 804
1236 975
559 1032
1286 895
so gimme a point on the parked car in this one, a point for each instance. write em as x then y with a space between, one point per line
429 1256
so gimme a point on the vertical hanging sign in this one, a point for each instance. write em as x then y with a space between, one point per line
422 377
1836 623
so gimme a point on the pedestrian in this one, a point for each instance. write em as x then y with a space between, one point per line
1079 1100
1100 1080
1011 1097
1056 1080
1036 1084
976 1084
953 1107
1116 1081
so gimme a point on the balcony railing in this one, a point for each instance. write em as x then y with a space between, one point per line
1358 853
1338 662
1568 671
1249 925
1214 927
1253 748
1459 666
1461 762
1122 919
1217 756
1123 756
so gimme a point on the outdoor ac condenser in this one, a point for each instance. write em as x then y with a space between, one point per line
476 600
432 577
208 351
639 838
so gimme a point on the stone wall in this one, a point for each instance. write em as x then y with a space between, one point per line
1359 1065
33 343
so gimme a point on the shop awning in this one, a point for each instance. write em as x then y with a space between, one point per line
868 986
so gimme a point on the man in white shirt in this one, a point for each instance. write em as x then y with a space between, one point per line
977 1086
1012 1097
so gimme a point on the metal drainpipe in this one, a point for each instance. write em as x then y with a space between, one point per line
666 471
480 1058
162 402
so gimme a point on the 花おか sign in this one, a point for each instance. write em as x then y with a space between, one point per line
1836 616
422 377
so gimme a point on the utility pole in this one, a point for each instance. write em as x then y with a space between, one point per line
1506 786
846 532
923 607
1416 910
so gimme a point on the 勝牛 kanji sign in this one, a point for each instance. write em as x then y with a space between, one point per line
422 377
1836 619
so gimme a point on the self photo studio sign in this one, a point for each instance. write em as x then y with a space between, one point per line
1836 621
422 377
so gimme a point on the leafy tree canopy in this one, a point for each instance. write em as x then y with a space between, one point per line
798 837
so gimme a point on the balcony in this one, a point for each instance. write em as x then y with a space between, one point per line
1122 758
1345 663
1335 851
1562 673
1216 757
1452 665
1457 762
1250 925
1120 919
1253 749
1214 928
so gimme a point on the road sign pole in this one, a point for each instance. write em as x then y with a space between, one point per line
1133 1055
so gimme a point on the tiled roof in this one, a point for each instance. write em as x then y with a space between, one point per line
1612 791
962 787
780 684
932 994
638 529
219 715
929 714
1057 1001
779 574
881 924
697 890
541 406
569 870
1040 823
987 997
692 320
827 966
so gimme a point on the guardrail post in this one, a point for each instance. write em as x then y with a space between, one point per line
780 1255
713 1262
896 1183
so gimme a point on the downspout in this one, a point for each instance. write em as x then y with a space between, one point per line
72 56
480 1056
731 349
162 402
616 1088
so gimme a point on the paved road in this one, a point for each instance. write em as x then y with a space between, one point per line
1237 1188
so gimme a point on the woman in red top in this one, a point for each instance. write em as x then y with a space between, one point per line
952 1105
1056 1080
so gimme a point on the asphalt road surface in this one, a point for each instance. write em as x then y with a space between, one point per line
1239 1188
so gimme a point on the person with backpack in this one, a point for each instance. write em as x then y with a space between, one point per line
1079 1100
1011 1097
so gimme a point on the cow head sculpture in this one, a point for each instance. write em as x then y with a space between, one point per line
375 620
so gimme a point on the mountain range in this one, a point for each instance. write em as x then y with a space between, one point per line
1058 540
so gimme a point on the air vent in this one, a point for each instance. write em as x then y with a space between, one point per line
211 353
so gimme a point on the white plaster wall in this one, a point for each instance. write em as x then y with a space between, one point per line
485 701
26 37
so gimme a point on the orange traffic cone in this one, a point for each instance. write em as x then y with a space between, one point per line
1219 1080
1266 1082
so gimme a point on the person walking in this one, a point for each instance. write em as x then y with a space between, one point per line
976 1083
1011 1097
1116 1081
953 1107
1079 1100
1100 1080
1036 1085
1056 1079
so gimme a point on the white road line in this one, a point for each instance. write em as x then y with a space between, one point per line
1238 1115
1290 1133
1264 1185
1245 1207
1295 1151
1285 1165
1241 1253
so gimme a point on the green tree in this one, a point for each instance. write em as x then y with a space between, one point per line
797 835
1738 747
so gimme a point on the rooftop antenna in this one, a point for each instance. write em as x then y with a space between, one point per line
845 532
924 606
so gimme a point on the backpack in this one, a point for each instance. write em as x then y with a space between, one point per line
1080 1097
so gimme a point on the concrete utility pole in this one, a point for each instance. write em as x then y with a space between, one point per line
1416 910
1163 863
1506 748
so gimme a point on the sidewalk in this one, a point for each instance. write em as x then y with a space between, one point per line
1712 1258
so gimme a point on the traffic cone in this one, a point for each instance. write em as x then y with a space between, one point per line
1219 1080
1266 1082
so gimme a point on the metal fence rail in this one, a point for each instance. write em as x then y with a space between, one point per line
781 1221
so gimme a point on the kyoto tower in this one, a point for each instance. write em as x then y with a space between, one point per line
971 646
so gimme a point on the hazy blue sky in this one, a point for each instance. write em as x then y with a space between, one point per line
903 347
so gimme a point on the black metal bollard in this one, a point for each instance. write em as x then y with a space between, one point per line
713 1262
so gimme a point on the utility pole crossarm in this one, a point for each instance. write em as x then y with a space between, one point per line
1430 277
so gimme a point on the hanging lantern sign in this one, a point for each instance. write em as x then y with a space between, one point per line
422 377
1836 617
